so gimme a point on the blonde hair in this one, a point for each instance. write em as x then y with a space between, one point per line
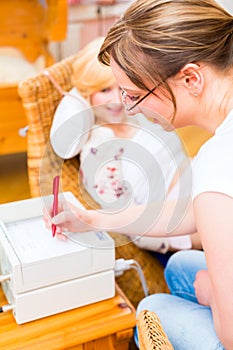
156 38
89 75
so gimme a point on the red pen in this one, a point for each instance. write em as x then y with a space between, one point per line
55 201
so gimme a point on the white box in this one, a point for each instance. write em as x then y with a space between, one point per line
42 267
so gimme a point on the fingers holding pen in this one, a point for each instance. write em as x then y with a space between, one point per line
48 220
70 218
73 219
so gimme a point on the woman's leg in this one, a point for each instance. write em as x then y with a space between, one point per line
188 325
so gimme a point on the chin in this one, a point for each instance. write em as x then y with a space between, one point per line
117 114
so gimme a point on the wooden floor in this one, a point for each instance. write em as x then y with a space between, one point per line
13 178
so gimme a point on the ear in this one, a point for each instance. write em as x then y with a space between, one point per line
193 78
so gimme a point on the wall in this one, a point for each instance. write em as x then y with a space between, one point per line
86 22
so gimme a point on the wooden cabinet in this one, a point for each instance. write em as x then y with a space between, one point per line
12 118
27 27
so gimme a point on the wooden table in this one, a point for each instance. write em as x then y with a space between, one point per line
105 325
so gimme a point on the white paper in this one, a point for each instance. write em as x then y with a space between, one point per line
32 241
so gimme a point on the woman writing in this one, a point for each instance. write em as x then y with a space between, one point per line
175 59
110 162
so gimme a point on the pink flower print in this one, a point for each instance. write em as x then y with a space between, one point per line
111 170
93 151
119 154
119 191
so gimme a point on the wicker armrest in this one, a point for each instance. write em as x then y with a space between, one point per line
150 332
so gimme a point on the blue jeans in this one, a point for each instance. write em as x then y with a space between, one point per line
188 325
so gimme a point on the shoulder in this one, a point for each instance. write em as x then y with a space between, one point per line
213 165
72 122
218 149
69 104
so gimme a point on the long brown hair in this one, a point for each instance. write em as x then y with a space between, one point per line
154 39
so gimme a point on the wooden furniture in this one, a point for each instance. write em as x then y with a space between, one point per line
151 335
104 325
27 26
12 118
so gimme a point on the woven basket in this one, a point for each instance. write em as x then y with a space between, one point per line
150 332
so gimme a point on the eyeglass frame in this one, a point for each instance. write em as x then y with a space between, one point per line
124 96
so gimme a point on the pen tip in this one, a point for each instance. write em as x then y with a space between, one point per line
53 230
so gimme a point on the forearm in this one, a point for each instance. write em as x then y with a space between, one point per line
223 323
216 236
220 301
151 220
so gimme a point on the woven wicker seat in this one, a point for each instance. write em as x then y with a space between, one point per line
40 99
150 332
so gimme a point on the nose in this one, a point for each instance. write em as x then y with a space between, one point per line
116 95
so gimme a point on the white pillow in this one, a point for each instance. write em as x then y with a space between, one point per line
72 124
14 66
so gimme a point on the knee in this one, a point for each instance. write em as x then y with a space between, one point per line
152 302
176 261
184 258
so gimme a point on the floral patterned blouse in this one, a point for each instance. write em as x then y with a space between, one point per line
118 172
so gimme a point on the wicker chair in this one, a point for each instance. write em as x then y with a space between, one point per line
40 99
151 335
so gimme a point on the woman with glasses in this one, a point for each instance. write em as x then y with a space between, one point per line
175 59
123 161
179 54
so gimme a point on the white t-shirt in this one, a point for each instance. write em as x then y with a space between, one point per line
213 165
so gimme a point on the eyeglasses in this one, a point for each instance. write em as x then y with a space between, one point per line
127 99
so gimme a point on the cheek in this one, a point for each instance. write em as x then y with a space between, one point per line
164 108
99 98
94 99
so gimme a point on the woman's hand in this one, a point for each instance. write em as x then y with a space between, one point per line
69 219
202 287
